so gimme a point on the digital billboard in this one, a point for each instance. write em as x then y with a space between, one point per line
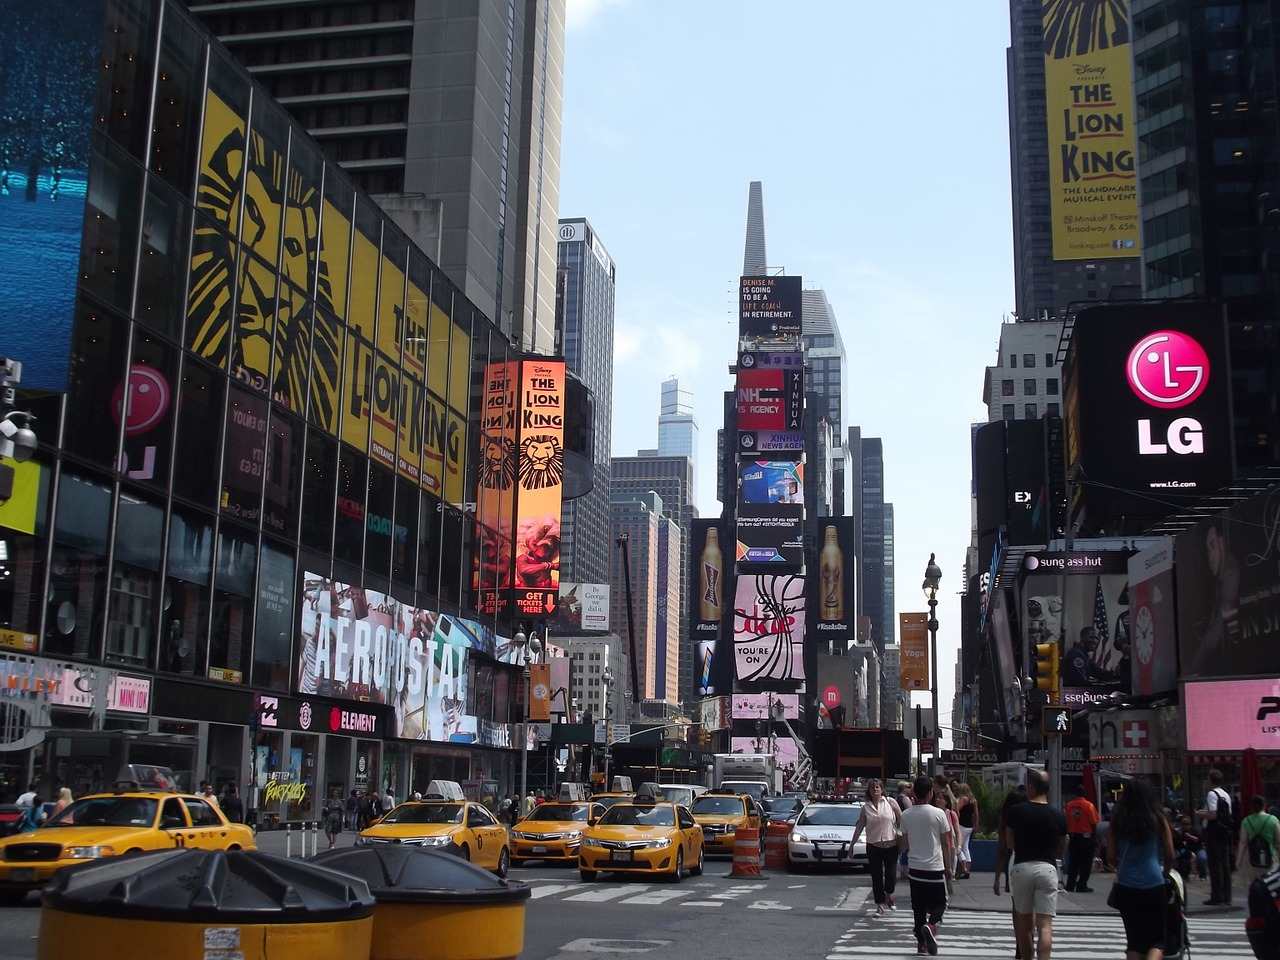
1148 414
768 628
1228 588
709 575
770 307
495 489
1091 625
1153 620
1232 715
771 441
540 483
771 481
771 399
1093 186
582 608
50 74
769 535
831 626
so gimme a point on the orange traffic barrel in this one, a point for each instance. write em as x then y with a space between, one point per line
746 852
775 845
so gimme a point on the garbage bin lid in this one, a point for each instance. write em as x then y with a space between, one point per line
404 873
216 886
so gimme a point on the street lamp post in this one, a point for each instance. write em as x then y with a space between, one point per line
932 574
606 678
531 657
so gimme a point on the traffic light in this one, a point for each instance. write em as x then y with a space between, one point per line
1047 668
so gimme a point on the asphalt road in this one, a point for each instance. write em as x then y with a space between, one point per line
721 917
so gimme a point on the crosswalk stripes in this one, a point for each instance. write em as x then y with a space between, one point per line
988 934
642 896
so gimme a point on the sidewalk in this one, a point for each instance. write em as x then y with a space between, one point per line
975 894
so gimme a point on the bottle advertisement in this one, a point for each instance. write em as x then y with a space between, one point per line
707 601
831 624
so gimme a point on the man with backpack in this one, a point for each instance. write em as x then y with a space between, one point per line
1259 840
1217 817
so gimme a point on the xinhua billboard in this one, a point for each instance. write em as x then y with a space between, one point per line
1093 186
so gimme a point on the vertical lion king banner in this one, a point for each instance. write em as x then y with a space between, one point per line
1093 184
539 478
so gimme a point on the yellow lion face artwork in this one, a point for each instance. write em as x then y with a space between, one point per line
249 308
541 462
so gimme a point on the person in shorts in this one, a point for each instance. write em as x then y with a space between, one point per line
1037 834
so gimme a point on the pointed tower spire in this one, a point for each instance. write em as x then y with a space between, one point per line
754 261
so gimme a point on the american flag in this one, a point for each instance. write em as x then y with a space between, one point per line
1106 655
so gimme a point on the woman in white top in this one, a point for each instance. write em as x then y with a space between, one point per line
880 819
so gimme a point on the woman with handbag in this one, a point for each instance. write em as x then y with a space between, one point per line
880 818
1140 844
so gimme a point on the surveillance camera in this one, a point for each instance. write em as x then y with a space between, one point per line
21 441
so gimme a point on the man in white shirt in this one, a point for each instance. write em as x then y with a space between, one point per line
926 837
28 798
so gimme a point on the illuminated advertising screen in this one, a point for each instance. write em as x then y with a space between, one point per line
771 441
1148 414
360 644
1092 143
769 535
495 494
709 574
1228 592
1091 625
771 481
770 307
540 480
768 628
913 656
770 400
1231 715
832 603
51 69
1153 620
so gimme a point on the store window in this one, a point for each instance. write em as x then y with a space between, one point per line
275 619
231 633
187 598
134 611
78 579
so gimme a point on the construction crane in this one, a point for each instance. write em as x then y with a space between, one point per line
804 763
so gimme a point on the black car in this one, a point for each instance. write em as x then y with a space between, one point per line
782 809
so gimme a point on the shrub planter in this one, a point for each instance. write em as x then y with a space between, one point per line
983 853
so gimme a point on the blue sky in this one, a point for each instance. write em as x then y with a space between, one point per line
880 134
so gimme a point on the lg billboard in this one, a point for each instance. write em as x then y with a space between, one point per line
1148 410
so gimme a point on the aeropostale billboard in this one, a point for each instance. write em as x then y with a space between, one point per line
1093 186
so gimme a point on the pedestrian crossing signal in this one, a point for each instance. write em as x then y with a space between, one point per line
1055 721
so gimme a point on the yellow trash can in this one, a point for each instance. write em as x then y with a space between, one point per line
434 906
212 904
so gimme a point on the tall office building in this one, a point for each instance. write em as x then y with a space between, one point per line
671 478
1045 281
876 566
826 361
892 699
640 517
886 587
677 426
755 261
1206 82
445 111
585 331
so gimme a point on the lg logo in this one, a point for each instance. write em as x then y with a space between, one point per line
1168 370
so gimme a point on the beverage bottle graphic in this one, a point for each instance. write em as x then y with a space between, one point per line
831 578
712 574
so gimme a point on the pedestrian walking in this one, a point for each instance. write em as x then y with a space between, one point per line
232 805
1216 815
1082 822
1140 844
1259 840
333 814
1003 855
528 804
353 809
903 800
970 817
942 800
1037 834
880 819
926 835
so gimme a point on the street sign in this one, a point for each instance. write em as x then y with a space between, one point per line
1055 720
621 732
926 745
973 758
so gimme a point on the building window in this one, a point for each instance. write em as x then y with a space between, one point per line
1006 388
1029 387
1028 360
1051 410
1013 360
1048 359
1051 387
1006 411
1031 412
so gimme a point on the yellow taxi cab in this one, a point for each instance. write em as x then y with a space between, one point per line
609 798
645 835
442 817
110 825
721 813
552 831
